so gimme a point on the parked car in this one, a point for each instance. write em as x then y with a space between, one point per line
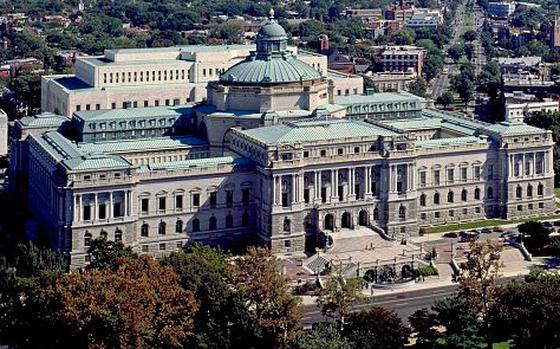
486 231
547 224
451 234
467 236
498 229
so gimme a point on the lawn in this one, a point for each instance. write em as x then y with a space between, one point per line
501 345
557 192
483 223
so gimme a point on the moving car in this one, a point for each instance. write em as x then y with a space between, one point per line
467 236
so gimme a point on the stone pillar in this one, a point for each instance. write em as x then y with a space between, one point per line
534 172
393 179
523 164
131 203
110 213
126 201
294 188
334 186
95 210
412 177
549 161
301 186
351 183
367 174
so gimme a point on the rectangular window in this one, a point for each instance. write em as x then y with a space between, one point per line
476 173
306 154
450 175
176 101
146 103
229 197
245 193
78 107
162 247
436 214
179 202
490 173
423 179
464 174
167 102
145 248
102 211
287 243
306 195
196 200
156 102
213 199
113 105
97 106
437 179
87 212
323 153
117 212
451 213
145 205
161 203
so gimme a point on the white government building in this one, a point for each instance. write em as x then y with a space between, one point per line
273 154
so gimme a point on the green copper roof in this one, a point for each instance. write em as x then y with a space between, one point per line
199 163
133 113
445 143
313 131
283 69
412 124
271 63
157 143
96 162
43 120
513 129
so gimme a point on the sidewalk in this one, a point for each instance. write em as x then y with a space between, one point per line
511 269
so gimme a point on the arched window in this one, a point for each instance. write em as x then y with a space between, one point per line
87 239
161 228
195 225
118 235
464 195
376 214
423 200
436 198
518 192
245 219
179 226
229 221
402 213
529 190
450 196
144 230
477 194
540 189
287 225
490 193
212 223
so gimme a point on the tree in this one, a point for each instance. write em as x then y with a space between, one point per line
141 305
470 35
418 87
460 323
376 328
445 99
324 335
403 37
221 320
433 64
535 236
265 293
105 254
478 280
529 312
456 51
424 322
338 295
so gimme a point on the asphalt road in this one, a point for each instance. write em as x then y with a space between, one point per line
403 303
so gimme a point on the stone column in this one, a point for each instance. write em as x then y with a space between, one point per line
549 161
412 177
334 178
301 186
368 180
393 178
110 213
294 188
351 183
95 209
534 172
523 164
126 201
131 203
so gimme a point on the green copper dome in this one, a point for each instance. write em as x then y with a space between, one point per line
271 63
